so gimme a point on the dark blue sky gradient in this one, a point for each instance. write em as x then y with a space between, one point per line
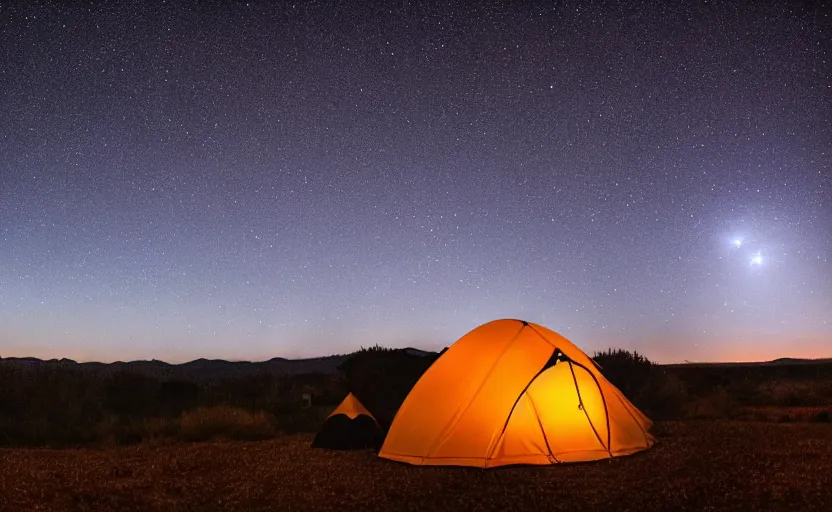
245 180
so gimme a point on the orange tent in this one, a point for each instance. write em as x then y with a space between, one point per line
349 426
514 392
351 407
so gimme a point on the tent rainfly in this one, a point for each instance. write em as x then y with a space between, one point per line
350 426
514 392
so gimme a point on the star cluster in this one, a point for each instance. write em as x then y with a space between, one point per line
256 179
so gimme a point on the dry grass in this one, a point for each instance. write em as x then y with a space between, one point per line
223 421
791 392
821 414
704 465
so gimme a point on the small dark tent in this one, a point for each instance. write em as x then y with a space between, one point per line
350 426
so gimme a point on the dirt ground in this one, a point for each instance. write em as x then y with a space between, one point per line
707 465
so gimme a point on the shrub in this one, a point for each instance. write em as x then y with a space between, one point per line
382 378
115 430
159 429
650 388
222 421
716 404
173 397
132 395
822 417
110 431
42 432
664 397
303 421
628 371
793 393
620 357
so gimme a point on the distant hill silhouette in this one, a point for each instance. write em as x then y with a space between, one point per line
203 369
783 361
210 369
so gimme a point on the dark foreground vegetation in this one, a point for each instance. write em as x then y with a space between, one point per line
62 405
702 465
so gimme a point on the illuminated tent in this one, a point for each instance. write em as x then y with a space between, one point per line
513 392
349 426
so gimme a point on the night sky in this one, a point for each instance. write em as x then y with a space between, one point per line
246 180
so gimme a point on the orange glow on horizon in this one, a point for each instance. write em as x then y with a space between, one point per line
764 349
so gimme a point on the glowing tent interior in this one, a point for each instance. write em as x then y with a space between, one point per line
350 426
514 392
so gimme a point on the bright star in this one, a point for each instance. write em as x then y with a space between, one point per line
757 259
737 242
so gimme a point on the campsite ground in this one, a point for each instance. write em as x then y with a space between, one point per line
697 465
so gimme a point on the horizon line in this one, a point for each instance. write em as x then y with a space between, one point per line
234 360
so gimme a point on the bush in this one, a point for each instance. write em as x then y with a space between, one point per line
114 430
664 397
650 388
159 429
222 421
382 378
822 417
43 432
628 371
716 404
303 421
620 357
794 393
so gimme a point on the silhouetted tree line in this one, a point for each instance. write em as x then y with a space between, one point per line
64 406
381 378
626 370
643 382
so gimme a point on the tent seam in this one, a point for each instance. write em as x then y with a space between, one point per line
582 408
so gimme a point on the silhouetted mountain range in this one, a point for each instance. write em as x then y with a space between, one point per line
201 369
783 361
